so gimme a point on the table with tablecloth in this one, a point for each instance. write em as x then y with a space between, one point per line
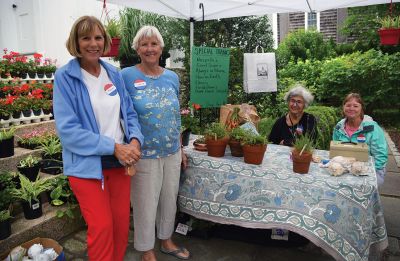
343 215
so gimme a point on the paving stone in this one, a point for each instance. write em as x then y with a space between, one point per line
74 246
394 247
81 235
393 258
391 185
391 210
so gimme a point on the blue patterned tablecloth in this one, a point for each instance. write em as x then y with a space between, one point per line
343 215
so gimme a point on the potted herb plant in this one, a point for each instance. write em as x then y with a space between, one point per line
29 167
302 154
216 139
113 28
51 156
7 142
389 32
254 147
29 194
6 199
235 138
200 144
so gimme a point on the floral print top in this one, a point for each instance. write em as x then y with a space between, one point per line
156 101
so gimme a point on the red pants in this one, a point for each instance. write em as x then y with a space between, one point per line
106 213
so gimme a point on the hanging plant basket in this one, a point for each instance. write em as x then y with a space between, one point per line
389 36
114 48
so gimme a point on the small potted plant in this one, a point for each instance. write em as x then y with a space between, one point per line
29 167
51 155
188 123
389 32
7 142
200 144
302 154
6 199
235 138
254 147
113 28
29 194
216 137
60 194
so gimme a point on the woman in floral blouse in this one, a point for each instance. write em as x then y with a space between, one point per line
155 95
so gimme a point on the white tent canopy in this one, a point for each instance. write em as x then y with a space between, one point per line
216 9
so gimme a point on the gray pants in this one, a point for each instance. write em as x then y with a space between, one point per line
154 190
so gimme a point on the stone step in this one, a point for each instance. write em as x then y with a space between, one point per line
10 163
48 225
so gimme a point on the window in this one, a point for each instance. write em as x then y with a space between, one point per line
311 20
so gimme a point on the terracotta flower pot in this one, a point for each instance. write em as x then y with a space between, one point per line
254 154
216 148
236 148
301 163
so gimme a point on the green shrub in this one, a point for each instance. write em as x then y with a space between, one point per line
265 126
327 117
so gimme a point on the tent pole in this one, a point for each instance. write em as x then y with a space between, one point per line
191 33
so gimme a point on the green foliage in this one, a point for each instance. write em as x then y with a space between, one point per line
389 22
62 193
303 45
51 146
372 74
31 190
6 187
237 134
6 134
215 131
251 138
304 143
326 117
265 126
113 28
29 161
4 215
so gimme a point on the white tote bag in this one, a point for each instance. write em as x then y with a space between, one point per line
259 72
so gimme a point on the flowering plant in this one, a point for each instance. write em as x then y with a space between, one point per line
188 121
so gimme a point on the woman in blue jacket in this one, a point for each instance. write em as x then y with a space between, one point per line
100 134
357 127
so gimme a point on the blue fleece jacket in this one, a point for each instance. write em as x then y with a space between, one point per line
374 138
76 124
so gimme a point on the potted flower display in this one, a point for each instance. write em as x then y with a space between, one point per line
7 142
216 139
389 32
51 156
235 138
113 28
188 123
302 154
29 167
200 144
29 194
254 147
6 199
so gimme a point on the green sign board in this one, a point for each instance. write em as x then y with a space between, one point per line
209 76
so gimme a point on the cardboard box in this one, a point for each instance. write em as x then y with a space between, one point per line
46 243
355 150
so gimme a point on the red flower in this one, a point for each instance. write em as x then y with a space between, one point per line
10 99
196 106
37 93
37 55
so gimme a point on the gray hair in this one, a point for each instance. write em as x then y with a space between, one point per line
145 32
299 90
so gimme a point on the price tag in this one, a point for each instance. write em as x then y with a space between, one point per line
280 234
35 206
182 229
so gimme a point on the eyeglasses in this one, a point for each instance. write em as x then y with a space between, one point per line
296 102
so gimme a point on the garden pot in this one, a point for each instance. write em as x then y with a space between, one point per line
27 113
16 115
114 50
216 148
40 75
185 137
254 154
7 147
32 75
389 36
37 112
30 172
236 148
5 228
49 75
301 163
52 165
4 117
32 211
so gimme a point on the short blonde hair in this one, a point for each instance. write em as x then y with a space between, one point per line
84 26
145 32
299 90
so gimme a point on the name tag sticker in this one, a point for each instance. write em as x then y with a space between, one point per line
110 89
139 84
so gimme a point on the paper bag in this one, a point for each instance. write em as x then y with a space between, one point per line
247 113
259 72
